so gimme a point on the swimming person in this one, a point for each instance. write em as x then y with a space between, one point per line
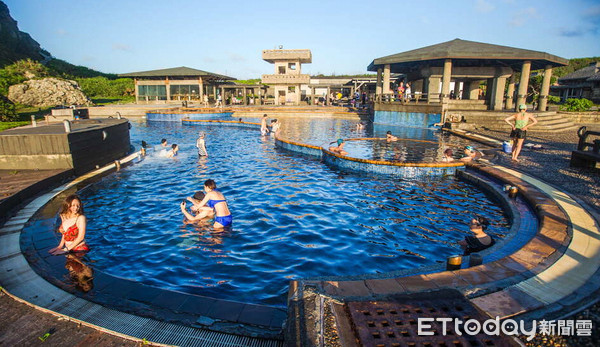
389 137
72 227
213 200
263 125
201 214
200 144
471 154
340 147
173 152
481 240
519 129
448 155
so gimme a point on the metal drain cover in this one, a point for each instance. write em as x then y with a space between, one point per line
394 322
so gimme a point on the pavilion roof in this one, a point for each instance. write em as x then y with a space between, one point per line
590 72
467 53
182 71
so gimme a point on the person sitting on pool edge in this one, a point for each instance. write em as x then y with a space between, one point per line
471 154
340 147
200 215
481 240
213 200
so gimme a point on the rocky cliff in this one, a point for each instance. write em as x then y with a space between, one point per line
15 44
47 92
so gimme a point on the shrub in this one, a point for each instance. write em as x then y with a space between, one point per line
103 87
577 105
7 110
553 99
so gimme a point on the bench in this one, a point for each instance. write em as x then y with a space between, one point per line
587 154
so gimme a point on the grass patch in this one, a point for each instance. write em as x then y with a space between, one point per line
9 125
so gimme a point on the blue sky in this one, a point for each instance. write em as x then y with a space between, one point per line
227 37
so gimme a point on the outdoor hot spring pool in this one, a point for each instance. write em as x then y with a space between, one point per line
294 217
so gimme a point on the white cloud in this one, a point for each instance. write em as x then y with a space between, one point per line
484 6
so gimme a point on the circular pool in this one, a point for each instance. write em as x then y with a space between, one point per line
294 217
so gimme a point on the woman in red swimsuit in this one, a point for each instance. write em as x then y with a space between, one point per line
72 227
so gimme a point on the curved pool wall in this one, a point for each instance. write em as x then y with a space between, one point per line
178 117
407 119
405 170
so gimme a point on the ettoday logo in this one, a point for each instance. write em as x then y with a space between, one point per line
508 327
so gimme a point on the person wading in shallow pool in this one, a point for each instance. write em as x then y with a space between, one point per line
72 227
213 200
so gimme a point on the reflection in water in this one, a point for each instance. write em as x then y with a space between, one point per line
80 274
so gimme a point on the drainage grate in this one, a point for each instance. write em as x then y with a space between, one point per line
395 322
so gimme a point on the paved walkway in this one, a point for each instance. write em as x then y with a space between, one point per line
23 325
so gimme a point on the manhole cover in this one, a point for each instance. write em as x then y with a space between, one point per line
395 322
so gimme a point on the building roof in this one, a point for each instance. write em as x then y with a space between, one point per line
590 73
181 71
467 53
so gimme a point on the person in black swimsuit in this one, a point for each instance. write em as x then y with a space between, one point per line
479 241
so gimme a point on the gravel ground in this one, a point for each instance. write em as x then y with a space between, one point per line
551 164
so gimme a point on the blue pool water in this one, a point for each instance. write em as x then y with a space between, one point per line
294 217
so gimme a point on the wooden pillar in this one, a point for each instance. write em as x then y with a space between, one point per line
433 89
378 85
510 93
312 95
473 90
137 90
244 96
497 97
222 97
200 91
543 102
446 79
259 95
168 89
386 79
524 83
327 96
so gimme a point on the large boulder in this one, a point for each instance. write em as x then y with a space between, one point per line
47 92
